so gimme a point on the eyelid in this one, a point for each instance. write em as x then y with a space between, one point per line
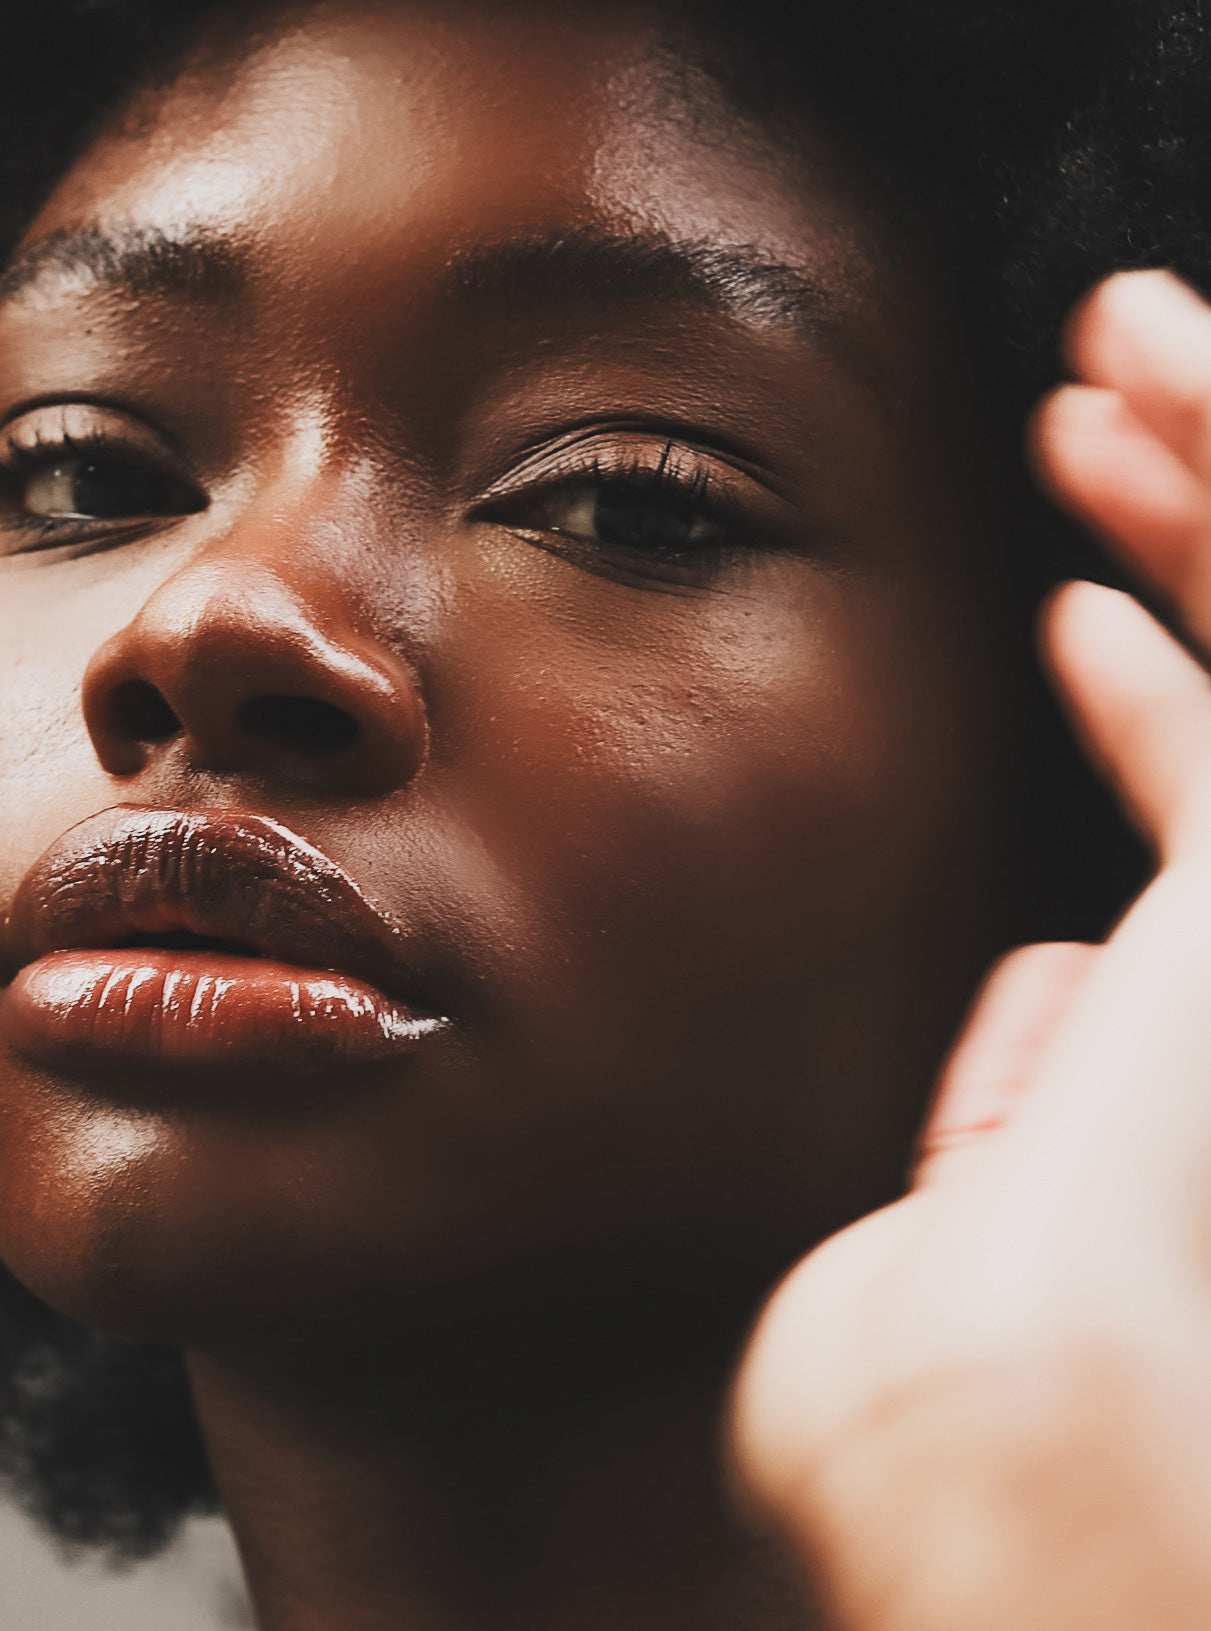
622 447
59 429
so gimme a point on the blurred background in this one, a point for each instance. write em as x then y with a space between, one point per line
195 1586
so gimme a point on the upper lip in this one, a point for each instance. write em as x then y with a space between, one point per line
132 874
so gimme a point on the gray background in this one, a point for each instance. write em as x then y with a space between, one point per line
195 1586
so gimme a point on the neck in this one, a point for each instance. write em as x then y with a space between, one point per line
475 1487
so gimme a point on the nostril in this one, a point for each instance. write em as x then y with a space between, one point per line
141 713
299 724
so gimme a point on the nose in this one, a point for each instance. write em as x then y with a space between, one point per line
241 673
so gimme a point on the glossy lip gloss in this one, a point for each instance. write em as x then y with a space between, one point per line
159 939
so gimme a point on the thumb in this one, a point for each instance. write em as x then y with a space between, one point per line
1016 1013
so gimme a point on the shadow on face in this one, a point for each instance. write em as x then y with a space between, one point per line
460 455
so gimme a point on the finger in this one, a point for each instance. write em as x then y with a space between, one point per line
1101 462
1014 1017
1147 335
1141 706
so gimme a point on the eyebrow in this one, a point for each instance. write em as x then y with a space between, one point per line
143 260
598 267
564 270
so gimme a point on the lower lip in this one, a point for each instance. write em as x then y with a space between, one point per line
197 1011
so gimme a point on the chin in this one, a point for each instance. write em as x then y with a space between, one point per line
120 1219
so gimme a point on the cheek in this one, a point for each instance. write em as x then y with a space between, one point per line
714 795
52 620
44 751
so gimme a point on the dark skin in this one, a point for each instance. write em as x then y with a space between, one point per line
694 832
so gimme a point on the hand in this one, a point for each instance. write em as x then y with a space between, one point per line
988 1407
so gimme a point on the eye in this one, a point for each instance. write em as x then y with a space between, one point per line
623 500
632 513
99 488
80 473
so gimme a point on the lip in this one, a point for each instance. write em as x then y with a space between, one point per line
147 938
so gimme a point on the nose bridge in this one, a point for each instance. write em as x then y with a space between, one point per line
250 659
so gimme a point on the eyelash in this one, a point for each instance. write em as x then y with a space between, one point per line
21 459
663 476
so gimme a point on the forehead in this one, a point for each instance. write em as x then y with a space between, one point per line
417 132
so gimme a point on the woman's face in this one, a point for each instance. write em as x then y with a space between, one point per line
528 520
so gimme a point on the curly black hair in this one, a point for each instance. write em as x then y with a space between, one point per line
1051 140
